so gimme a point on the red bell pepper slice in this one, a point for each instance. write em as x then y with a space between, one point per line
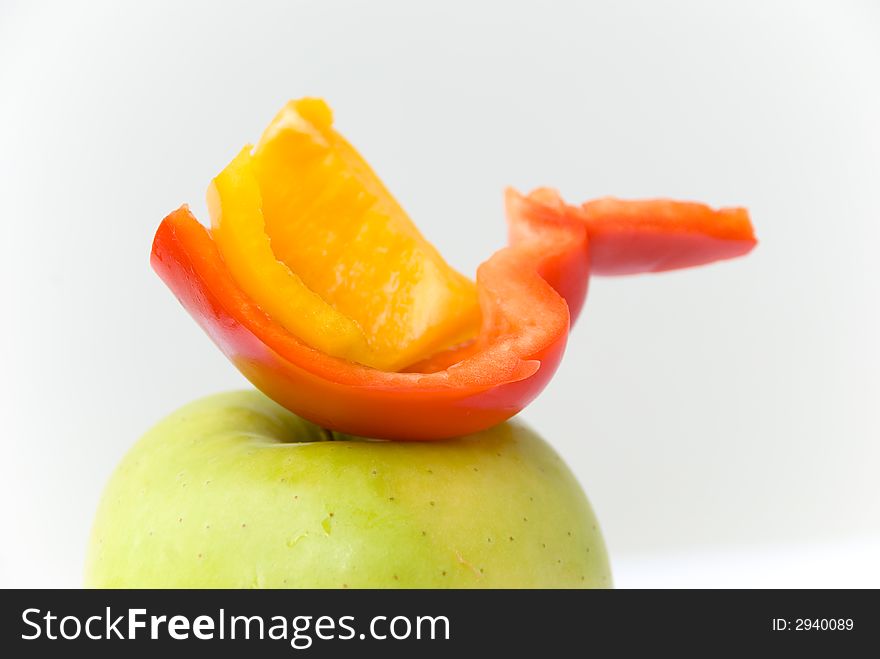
630 237
525 324
530 292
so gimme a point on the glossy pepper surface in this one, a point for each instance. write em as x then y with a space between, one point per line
308 340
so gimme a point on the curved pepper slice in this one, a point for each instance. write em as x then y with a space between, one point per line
529 293
525 324
630 237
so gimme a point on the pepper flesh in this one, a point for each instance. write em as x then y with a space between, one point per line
312 235
631 237
304 352
651 235
522 338
234 202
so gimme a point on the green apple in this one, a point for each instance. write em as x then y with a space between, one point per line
235 491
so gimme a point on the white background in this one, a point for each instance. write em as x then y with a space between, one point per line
724 421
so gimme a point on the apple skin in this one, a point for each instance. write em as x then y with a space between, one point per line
234 491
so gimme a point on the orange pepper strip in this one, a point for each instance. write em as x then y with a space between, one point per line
525 324
314 237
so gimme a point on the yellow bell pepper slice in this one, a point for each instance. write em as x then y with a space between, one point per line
234 204
312 235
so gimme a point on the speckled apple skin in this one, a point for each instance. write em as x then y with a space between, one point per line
234 491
